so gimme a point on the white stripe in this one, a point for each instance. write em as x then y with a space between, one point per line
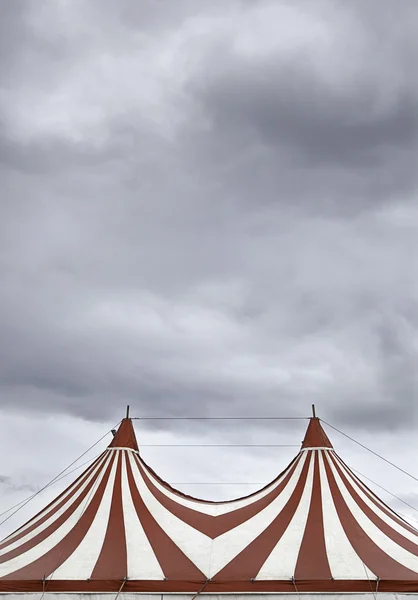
123 448
84 558
361 483
191 542
142 562
216 509
34 553
395 551
55 516
379 509
281 562
230 544
369 491
343 561
388 520
65 495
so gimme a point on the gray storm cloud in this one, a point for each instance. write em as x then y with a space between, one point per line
209 209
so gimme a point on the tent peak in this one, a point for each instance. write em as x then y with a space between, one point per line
315 436
125 436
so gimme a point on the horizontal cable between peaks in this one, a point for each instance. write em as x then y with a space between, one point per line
207 446
220 445
220 418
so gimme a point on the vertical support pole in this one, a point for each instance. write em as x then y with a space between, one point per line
127 412
313 411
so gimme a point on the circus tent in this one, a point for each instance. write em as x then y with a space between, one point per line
119 527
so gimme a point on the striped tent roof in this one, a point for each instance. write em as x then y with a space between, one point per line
316 527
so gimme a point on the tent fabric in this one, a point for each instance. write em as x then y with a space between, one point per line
315 528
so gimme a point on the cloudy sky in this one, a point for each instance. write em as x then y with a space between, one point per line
208 208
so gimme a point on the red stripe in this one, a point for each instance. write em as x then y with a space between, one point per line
112 562
65 495
173 562
249 562
312 561
382 525
211 525
378 501
380 563
43 535
49 562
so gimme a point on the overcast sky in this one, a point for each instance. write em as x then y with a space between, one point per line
207 208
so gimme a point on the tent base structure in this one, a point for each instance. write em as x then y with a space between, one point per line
210 589
209 596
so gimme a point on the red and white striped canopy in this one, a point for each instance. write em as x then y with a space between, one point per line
315 528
